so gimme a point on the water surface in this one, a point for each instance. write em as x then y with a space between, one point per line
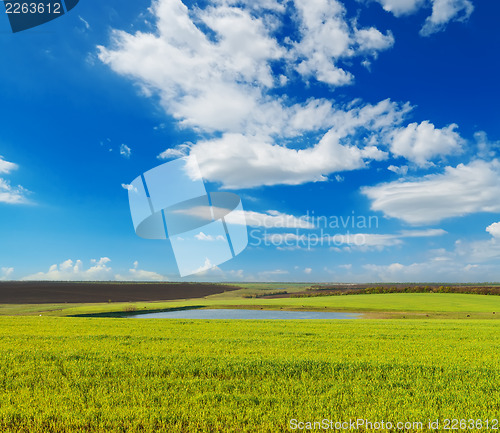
225 314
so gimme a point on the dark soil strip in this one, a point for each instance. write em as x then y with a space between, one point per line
54 292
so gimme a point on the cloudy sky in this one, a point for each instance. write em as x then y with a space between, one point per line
363 136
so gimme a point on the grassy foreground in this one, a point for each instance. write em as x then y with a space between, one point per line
126 375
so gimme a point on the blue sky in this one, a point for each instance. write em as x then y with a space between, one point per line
383 110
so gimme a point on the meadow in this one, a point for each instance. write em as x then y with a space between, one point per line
126 375
94 374
389 305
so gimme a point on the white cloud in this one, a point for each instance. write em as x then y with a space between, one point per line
328 37
380 241
279 239
99 270
74 271
6 167
268 219
494 230
220 80
211 86
273 273
486 148
11 194
136 274
242 161
468 261
371 40
461 190
471 252
479 251
125 151
401 7
209 272
85 23
219 70
273 5
207 266
203 237
276 219
444 11
180 151
308 271
421 143
363 241
402 170
437 271
5 273
128 187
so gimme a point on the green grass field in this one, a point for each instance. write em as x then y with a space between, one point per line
124 375
397 305
71 374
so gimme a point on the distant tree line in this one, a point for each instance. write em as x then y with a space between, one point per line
322 290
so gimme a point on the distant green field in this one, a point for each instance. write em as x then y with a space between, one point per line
129 375
440 305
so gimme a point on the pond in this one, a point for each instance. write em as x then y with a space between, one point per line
225 314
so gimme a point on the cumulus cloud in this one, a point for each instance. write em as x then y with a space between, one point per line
486 148
401 7
363 241
494 230
467 261
243 161
203 237
212 68
475 261
70 270
11 194
128 187
220 70
136 274
402 170
429 271
421 143
125 151
460 190
208 267
380 241
204 84
328 37
276 219
85 22
6 167
271 275
268 219
480 251
444 11
99 270
5 273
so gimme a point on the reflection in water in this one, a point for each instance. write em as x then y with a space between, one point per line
224 314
